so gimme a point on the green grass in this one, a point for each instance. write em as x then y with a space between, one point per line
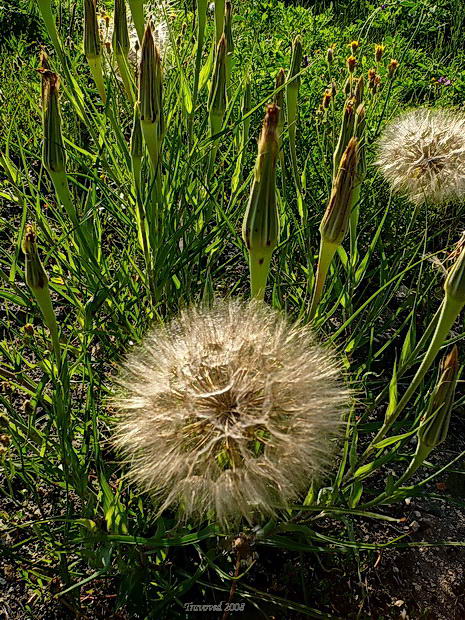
90 524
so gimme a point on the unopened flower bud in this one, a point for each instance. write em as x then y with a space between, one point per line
260 229
379 50
120 39
335 221
296 63
347 88
53 152
434 432
36 278
359 91
326 99
91 34
92 48
347 131
392 67
151 96
454 285
330 55
354 45
351 63
217 96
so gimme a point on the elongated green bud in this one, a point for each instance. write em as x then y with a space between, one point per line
219 18
229 41
334 224
92 48
150 80
260 229
359 91
91 33
346 133
228 27
296 63
217 99
434 432
36 278
120 39
360 127
137 12
217 95
151 95
120 42
454 285
37 281
53 152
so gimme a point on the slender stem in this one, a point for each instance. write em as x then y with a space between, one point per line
325 259
259 264
449 312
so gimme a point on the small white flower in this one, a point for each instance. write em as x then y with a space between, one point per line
422 155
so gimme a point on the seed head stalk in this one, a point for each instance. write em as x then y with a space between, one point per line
136 151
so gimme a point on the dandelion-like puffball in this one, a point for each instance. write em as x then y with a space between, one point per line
229 412
422 154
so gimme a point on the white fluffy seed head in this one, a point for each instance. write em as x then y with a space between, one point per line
229 412
422 155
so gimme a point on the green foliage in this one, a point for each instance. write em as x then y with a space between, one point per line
144 245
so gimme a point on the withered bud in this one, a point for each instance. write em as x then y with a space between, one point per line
335 221
392 67
351 63
379 50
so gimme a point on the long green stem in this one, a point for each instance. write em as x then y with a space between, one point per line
449 313
259 264
327 251
417 461
402 369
